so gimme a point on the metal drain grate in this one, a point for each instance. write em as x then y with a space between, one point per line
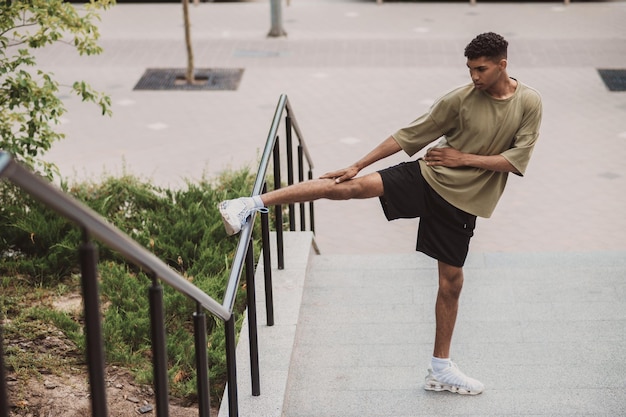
174 79
614 79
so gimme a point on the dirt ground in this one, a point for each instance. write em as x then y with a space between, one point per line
68 396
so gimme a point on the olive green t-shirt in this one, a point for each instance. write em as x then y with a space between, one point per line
472 121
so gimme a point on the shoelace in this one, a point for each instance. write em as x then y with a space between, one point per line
247 212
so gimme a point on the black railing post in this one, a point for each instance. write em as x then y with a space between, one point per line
252 321
202 363
231 366
301 178
278 210
267 266
292 214
95 349
4 400
311 211
159 348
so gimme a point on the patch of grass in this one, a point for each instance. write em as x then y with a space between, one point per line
39 262
35 345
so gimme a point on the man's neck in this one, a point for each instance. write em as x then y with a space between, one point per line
503 89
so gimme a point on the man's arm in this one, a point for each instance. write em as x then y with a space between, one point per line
452 158
386 148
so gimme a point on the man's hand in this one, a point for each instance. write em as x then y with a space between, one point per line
342 175
386 148
452 158
445 157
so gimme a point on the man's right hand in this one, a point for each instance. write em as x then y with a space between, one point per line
342 175
387 147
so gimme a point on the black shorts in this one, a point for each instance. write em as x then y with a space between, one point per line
444 230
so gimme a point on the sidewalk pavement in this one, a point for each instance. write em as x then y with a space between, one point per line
354 72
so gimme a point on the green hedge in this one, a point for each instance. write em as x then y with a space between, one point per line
38 250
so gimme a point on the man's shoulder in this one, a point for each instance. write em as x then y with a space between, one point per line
529 93
455 96
460 91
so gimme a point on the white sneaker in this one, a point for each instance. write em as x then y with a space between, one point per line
235 213
453 380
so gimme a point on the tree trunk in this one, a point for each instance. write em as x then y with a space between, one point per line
189 76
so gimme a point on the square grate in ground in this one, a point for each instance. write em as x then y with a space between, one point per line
614 79
219 79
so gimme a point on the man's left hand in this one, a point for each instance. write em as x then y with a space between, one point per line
445 157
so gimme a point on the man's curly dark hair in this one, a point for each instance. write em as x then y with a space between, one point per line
489 45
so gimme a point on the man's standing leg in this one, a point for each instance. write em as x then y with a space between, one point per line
445 375
447 306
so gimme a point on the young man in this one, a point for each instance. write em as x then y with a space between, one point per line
488 129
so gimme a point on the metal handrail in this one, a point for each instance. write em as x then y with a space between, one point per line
246 232
94 224
243 254
104 231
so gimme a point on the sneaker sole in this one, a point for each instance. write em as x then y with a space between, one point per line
230 230
435 386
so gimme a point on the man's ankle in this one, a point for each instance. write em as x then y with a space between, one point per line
439 364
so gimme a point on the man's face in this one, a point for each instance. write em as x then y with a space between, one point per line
485 72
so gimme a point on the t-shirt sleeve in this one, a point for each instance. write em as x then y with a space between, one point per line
524 141
427 128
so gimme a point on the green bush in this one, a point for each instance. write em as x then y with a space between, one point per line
35 242
181 227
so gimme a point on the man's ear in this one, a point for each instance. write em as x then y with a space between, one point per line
503 63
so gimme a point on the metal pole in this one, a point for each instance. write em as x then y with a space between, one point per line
231 366
159 349
278 210
95 350
277 19
311 211
202 362
267 266
252 321
301 178
289 141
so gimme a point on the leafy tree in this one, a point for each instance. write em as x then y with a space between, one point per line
29 103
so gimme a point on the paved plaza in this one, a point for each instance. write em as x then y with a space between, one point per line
354 72
543 312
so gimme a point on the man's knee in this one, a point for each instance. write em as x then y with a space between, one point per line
368 186
341 191
354 188
450 279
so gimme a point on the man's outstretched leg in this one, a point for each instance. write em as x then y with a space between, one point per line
444 374
236 212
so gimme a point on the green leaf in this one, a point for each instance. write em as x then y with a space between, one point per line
29 104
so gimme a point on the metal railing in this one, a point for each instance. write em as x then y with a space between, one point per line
244 252
92 224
